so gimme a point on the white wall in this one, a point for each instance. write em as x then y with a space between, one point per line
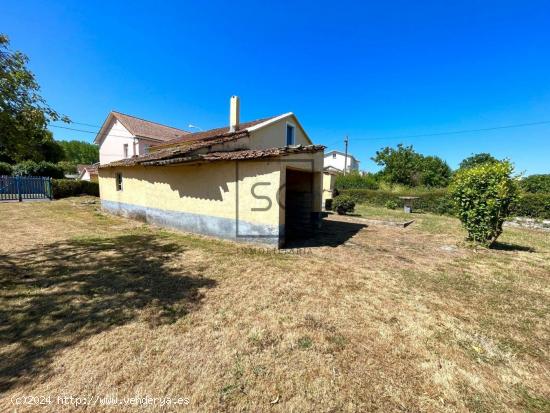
338 161
112 147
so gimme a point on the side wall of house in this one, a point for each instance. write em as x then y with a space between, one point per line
223 199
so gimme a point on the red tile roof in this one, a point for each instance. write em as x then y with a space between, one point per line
147 129
187 148
213 133
192 156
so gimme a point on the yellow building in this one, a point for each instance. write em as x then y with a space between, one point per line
259 181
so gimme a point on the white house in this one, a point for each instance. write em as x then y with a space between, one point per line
87 172
336 161
123 136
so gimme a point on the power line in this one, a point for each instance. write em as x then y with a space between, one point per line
425 135
86 131
84 124
517 125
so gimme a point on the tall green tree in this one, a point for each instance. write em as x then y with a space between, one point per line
80 152
434 172
403 165
24 114
476 160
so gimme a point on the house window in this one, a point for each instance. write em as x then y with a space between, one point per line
146 148
333 156
290 138
125 149
119 181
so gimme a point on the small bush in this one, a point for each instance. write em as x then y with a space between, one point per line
355 180
5 169
63 188
483 196
391 204
31 168
343 204
536 184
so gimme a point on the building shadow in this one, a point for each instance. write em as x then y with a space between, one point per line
331 234
54 296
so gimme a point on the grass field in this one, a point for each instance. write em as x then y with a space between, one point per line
365 319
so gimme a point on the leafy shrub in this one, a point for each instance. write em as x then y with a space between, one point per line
483 196
354 180
5 169
391 204
31 168
63 188
532 205
536 184
343 204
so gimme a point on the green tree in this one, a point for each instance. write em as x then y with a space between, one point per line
80 152
477 159
24 114
434 171
401 165
483 196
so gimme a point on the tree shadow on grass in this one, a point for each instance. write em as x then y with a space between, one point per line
505 246
54 296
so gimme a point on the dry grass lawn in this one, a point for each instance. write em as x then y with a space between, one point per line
376 319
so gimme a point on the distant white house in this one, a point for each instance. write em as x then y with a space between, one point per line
87 172
336 161
124 136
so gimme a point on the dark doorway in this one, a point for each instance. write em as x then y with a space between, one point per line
298 205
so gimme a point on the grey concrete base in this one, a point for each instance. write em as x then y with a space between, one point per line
225 228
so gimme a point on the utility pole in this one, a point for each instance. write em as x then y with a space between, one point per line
346 158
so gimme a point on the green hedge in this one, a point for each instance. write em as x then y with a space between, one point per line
355 180
439 202
536 183
63 188
532 205
436 201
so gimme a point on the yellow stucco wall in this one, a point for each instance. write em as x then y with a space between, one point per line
207 189
328 186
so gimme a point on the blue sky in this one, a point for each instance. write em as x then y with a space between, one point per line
373 71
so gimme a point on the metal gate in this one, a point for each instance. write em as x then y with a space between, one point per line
18 188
